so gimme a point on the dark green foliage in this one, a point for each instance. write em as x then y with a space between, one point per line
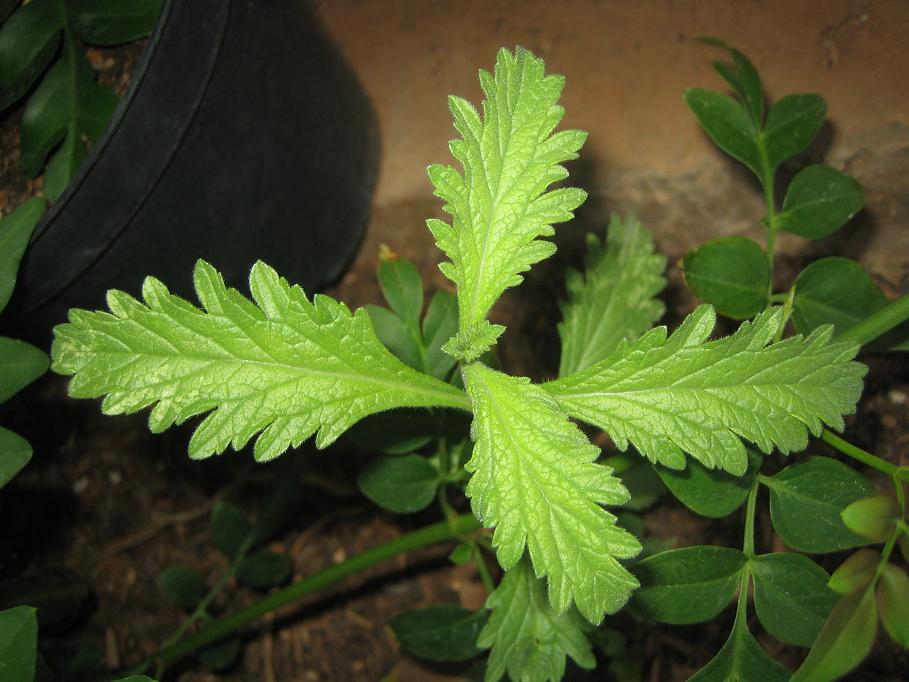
440 633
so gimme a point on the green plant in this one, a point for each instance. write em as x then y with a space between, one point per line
282 367
69 106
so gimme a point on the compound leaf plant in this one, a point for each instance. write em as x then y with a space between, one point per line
282 366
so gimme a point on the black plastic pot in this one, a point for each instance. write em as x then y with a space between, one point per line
244 136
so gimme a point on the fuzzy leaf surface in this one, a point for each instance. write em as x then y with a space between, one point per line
499 205
529 640
684 394
283 365
614 298
535 480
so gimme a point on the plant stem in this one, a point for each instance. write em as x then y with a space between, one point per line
770 202
750 507
858 454
218 629
878 323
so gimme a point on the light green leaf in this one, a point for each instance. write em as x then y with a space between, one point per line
285 366
732 274
529 640
400 484
872 517
893 603
18 643
439 325
710 492
855 572
499 205
844 641
403 289
742 659
15 231
20 364
15 453
728 124
688 585
536 482
838 291
445 632
28 41
819 201
792 123
806 499
614 298
111 22
791 596
668 396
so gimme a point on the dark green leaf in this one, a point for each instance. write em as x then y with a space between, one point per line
904 546
644 486
18 644
461 554
791 596
838 291
222 656
855 573
844 641
53 108
28 41
439 325
63 165
15 231
742 659
284 500
7 7
20 364
395 336
135 678
396 432
264 570
742 77
728 125
820 200
893 603
732 274
806 499
95 110
112 22
689 585
182 586
403 289
58 594
440 633
230 528
872 517
792 124
15 453
710 492
400 484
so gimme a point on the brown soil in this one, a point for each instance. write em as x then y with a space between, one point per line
119 505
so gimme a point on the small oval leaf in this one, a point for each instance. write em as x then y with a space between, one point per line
400 484
820 201
792 123
732 274
728 125
710 492
440 633
855 573
403 289
230 528
872 517
264 570
893 603
182 586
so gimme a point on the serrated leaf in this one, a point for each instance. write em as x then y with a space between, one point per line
728 124
15 453
402 288
792 123
182 586
872 517
439 325
284 365
535 480
732 274
445 632
112 22
806 499
819 201
742 659
844 641
688 585
231 529
400 484
683 394
264 570
614 298
28 41
791 596
528 640
710 492
893 603
20 364
15 231
18 643
838 291
855 573
499 205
